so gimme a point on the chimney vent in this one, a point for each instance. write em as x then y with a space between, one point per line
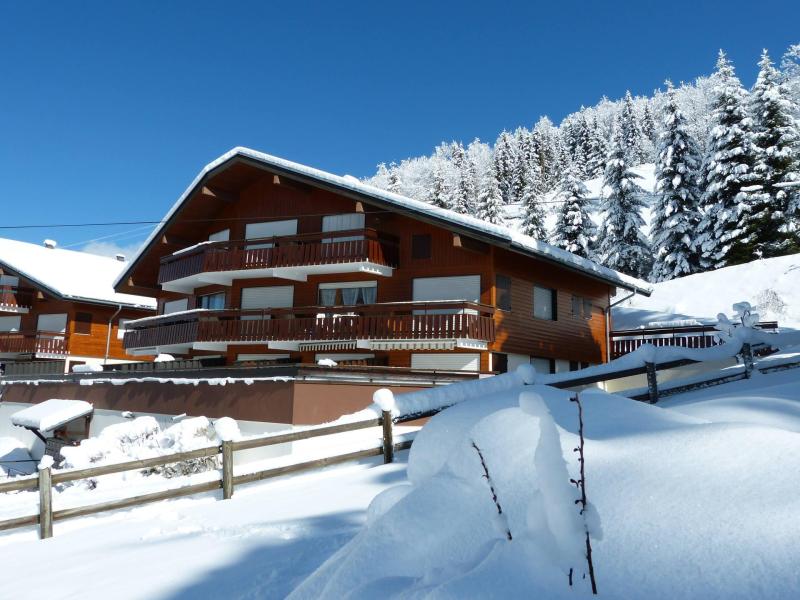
120 257
50 244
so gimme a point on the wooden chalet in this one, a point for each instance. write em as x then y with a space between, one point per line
262 259
58 308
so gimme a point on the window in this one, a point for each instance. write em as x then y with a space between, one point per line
344 222
173 306
83 323
220 236
499 362
421 246
587 309
543 365
581 307
268 229
503 285
212 301
52 323
348 294
544 303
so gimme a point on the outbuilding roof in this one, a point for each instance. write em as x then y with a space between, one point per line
352 187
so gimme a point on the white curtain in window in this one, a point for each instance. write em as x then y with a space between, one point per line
349 296
327 297
369 295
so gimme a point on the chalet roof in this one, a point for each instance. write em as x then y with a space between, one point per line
69 274
352 187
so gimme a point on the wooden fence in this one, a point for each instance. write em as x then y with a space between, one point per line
229 480
47 478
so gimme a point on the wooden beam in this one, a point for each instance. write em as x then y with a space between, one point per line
219 194
175 240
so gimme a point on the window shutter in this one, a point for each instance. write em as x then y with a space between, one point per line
279 296
220 236
8 324
173 306
56 323
454 361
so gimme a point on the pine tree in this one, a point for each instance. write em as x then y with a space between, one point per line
631 132
490 201
727 173
394 179
574 229
623 246
532 191
522 164
598 151
465 192
676 213
439 194
777 142
504 159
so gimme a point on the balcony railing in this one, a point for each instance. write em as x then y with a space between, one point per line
330 247
39 342
390 321
687 336
14 298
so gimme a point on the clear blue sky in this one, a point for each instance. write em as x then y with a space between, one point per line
109 109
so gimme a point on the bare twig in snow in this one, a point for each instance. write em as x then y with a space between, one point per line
491 488
581 485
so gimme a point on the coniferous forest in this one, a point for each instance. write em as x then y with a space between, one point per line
726 163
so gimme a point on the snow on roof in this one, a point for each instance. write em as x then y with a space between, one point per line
51 414
69 274
513 239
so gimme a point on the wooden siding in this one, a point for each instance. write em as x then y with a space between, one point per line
91 344
569 337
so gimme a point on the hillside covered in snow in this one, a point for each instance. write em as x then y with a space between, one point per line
770 285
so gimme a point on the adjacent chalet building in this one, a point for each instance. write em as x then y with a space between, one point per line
59 308
262 259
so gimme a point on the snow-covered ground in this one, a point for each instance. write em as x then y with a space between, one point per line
771 285
695 498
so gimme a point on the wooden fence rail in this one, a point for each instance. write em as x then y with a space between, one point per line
46 478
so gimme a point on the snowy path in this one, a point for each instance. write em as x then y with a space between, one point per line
261 543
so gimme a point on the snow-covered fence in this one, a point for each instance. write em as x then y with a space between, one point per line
228 480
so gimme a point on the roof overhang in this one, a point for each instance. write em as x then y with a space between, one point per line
352 188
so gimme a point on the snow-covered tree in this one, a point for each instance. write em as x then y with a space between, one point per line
440 193
490 201
574 229
598 151
465 193
631 132
777 142
505 157
727 172
622 245
532 191
394 184
676 213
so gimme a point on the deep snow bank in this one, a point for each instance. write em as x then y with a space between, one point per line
688 508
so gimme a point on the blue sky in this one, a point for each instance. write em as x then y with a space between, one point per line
109 109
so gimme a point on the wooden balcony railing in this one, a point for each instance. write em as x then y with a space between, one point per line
286 251
391 321
688 336
14 297
39 342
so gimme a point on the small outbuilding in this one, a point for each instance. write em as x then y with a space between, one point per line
57 423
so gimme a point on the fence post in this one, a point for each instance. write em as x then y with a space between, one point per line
747 356
45 504
227 470
652 382
388 440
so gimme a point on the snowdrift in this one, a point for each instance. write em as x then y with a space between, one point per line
688 507
770 285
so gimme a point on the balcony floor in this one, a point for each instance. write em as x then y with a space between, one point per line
188 284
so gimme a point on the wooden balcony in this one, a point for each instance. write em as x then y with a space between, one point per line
38 343
15 299
291 257
295 328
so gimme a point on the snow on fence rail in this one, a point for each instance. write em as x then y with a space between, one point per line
47 478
